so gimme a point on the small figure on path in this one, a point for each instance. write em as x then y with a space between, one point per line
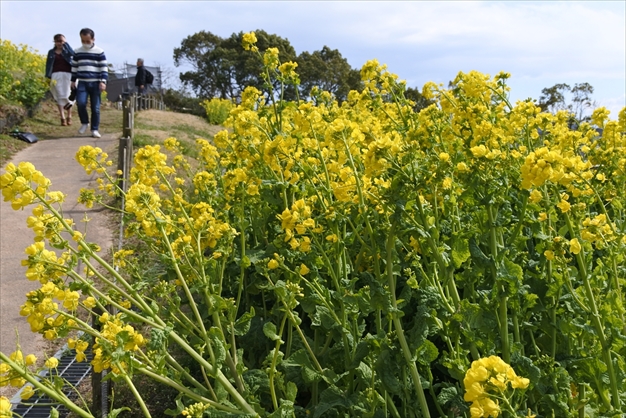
59 71
89 76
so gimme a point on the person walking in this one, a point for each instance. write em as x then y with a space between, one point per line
89 77
59 71
140 81
140 77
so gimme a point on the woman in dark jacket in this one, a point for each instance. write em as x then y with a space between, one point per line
59 71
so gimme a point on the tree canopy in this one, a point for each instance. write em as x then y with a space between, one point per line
221 67
555 98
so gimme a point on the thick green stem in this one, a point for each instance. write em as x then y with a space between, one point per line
596 320
503 310
138 397
406 351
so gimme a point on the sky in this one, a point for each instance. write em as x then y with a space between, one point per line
540 43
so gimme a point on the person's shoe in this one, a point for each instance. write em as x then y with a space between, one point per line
63 122
83 128
69 120
96 134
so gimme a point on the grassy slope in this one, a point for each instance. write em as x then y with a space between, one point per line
151 127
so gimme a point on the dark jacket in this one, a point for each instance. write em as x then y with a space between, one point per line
140 77
67 52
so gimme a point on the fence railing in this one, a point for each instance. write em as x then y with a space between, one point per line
102 387
143 102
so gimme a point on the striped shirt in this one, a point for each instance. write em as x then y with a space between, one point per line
90 64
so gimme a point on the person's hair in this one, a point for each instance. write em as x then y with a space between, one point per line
140 60
58 37
87 31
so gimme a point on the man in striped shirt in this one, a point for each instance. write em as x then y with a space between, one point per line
89 77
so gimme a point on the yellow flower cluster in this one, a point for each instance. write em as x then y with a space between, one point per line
5 407
488 379
20 184
115 335
296 222
13 377
544 165
195 411
42 312
598 230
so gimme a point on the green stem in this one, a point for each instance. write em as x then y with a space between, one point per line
138 397
503 307
596 320
219 376
273 365
417 382
60 397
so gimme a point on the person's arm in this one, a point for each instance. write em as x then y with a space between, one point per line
74 71
49 66
104 75
68 53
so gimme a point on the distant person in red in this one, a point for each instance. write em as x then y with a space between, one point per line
59 71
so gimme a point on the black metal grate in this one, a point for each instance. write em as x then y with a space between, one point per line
70 370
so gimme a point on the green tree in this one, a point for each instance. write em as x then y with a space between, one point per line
555 98
328 70
221 67
420 102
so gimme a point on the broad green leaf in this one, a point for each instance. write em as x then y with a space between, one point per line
242 325
460 252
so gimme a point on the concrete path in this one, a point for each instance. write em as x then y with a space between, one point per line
55 159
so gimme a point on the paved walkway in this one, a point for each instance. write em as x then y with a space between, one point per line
55 159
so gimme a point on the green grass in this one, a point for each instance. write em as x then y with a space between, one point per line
46 124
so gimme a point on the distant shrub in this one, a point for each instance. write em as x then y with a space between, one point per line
180 102
217 110
22 74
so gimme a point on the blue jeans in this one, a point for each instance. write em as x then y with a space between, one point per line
89 89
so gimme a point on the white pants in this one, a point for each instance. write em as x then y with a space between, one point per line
60 87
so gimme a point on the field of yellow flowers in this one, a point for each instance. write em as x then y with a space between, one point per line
326 260
22 70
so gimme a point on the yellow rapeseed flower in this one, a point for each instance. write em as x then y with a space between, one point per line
52 363
574 246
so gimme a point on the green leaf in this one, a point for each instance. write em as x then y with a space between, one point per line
427 353
362 350
301 360
478 256
177 411
386 368
218 347
447 395
269 329
114 413
460 252
242 325
330 399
